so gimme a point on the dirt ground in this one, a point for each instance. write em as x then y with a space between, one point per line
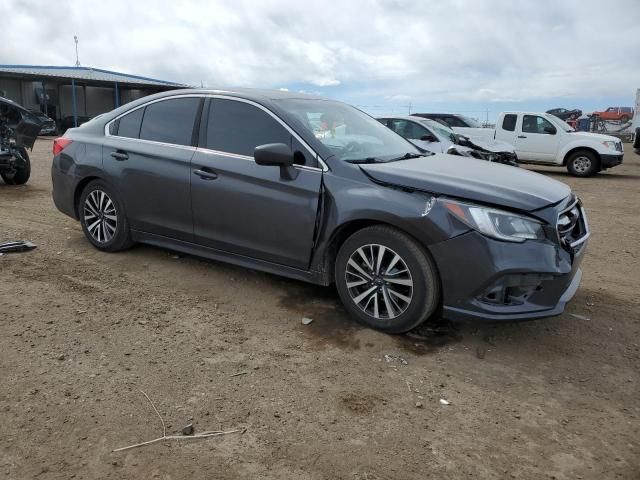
84 332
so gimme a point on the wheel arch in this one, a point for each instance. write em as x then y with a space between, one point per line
78 191
580 148
343 231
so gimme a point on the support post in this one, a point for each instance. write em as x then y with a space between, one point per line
74 102
44 99
116 95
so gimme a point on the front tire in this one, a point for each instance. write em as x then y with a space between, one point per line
583 164
21 174
386 280
103 218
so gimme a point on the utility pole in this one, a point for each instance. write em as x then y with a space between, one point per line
75 39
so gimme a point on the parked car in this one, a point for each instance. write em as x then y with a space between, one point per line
450 119
544 139
319 191
636 141
564 114
621 114
18 132
48 124
438 138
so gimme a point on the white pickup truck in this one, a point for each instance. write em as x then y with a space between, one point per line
544 139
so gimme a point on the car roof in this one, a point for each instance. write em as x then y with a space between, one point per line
256 94
402 117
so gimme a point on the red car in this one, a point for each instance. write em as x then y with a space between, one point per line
623 114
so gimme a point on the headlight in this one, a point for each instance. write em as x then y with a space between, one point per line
609 144
497 224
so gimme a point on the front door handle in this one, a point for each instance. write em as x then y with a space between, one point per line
206 175
522 136
120 155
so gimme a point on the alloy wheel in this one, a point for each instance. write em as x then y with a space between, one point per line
582 164
379 281
100 216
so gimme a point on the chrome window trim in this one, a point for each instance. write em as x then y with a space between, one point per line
323 166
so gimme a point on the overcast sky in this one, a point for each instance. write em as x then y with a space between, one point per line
384 55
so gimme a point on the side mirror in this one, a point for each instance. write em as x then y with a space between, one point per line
428 138
550 130
276 155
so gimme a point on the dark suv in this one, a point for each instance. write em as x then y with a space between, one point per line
317 190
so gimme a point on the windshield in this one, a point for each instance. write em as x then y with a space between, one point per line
349 133
470 121
441 130
560 123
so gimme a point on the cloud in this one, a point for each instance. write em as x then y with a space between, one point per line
394 50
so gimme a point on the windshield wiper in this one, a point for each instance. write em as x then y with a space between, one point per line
408 156
363 160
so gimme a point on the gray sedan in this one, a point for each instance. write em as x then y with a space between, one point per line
318 191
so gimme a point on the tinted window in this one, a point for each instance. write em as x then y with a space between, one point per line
509 122
408 129
129 125
535 124
237 127
170 121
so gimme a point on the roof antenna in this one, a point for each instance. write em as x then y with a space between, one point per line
75 38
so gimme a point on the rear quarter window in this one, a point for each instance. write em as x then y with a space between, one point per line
128 125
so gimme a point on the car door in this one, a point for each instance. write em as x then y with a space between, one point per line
506 130
147 157
537 140
245 208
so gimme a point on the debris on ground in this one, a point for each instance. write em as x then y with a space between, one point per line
188 429
395 358
580 317
16 246
444 402
306 320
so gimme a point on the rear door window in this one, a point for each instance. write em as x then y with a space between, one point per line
170 121
129 125
238 127
509 122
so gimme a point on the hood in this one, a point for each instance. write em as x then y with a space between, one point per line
25 125
595 136
467 178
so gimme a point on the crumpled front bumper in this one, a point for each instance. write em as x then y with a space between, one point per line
488 279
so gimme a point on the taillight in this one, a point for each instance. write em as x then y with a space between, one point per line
60 144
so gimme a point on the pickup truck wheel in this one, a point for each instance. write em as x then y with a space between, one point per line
386 280
583 164
103 219
624 118
22 174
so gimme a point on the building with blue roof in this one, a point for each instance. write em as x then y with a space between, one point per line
72 95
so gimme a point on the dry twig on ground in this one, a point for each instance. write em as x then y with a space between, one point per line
164 436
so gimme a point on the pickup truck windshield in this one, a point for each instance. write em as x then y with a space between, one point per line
559 123
470 122
350 134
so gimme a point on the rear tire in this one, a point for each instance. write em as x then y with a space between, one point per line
22 174
624 118
103 218
386 280
583 164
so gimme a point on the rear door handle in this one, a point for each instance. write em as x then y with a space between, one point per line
206 175
120 155
522 136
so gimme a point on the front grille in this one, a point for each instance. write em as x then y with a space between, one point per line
573 229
